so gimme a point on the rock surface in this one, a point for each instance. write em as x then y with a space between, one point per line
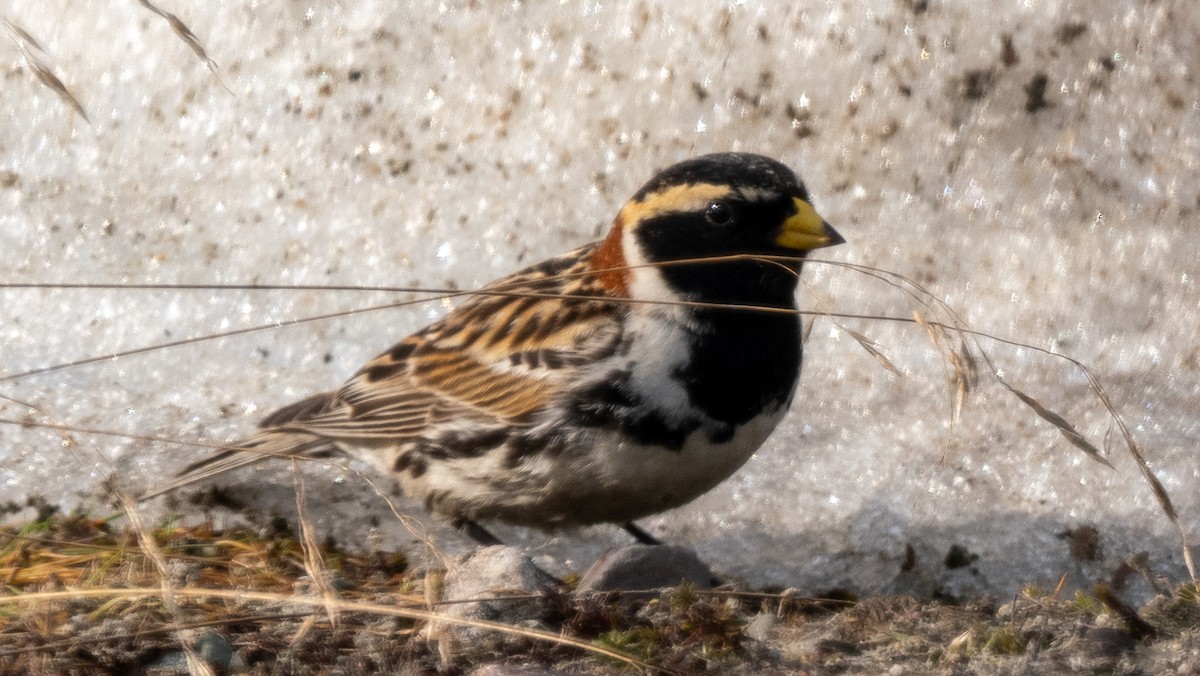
646 567
484 579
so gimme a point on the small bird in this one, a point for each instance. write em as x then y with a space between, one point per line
618 380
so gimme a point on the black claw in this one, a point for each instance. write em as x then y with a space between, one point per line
477 533
640 535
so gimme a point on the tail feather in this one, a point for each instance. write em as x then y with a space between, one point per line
275 443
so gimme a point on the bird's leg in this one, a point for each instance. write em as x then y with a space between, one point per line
476 532
640 535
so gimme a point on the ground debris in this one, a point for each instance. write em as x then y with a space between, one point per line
80 596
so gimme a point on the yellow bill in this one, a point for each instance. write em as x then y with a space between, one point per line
805 229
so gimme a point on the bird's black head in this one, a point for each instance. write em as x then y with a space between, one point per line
721 205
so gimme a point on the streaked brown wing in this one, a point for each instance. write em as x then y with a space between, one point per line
497 359
431 387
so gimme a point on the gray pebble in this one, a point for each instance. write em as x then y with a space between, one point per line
646 567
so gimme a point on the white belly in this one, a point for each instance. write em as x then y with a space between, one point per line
601 477
653 479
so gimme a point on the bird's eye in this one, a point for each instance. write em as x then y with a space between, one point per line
719 213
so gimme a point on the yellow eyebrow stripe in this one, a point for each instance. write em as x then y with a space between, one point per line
679 198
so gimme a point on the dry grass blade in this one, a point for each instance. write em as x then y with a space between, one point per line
340 605
313 564
1067 429
18 402
871 347
1160 491
963 361
435 634
936 334
21 35
954 322
966 374
435 295
93 431
961 389
45 75
808 330
180 28
956 359
967 359
191 341
197 666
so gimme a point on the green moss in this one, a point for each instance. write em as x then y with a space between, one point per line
1085 604
1003 640
641 642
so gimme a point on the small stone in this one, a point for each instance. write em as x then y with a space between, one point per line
760 626
646 567
170 662
493 573
215 649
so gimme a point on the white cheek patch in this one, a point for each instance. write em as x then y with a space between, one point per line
646 282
